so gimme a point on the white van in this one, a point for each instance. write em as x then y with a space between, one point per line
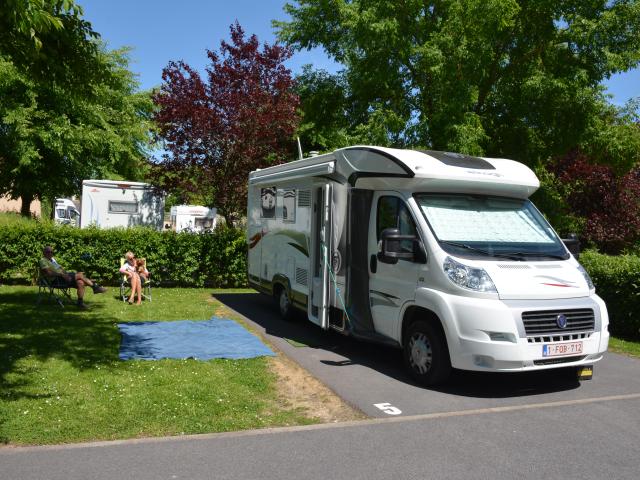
66 213
437 253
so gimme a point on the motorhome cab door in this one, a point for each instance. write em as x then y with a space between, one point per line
318 306
391 285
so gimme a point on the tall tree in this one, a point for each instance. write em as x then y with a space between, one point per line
217 131
333 117
325 118
519 78
68 108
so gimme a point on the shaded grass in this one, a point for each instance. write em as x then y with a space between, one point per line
61 379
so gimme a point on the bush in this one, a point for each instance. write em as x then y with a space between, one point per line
617 281
217 259
608 202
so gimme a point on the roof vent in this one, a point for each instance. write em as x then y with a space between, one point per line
459 160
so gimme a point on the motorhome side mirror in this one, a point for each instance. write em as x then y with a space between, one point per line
394 246
573 244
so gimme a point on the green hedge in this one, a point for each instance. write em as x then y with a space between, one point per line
214 260
219 260
617 281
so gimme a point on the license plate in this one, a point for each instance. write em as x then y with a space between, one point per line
557 349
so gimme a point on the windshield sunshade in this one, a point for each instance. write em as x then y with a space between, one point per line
493 223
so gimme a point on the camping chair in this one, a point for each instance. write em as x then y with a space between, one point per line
53 289
125 286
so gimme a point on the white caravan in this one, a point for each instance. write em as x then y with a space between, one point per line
115 203
192 218
66 213
437 253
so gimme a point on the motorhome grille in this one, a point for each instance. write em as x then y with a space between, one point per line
541 323
304 198
301 276
559 338
512 266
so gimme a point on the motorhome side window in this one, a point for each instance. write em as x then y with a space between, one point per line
123 207
393 213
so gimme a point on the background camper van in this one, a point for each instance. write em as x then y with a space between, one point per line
440 254
113 203
66 213
192 218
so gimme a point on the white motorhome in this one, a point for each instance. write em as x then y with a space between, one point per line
437 253
66 213
193 218
116 203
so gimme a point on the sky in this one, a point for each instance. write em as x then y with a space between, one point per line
163 30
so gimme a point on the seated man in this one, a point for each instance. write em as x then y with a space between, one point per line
61 278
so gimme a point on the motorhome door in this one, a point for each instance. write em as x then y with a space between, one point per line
391 284
318 307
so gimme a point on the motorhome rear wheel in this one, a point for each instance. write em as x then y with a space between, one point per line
284 304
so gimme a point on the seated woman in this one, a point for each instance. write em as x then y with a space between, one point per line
129 269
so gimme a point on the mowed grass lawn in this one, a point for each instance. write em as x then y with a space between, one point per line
61 379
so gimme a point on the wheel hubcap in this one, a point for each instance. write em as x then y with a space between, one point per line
421 353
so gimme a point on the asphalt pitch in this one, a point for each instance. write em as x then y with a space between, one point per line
372 378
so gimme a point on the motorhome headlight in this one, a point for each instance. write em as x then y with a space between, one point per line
586 277
471 278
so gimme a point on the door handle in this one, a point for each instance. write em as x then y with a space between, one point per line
373 263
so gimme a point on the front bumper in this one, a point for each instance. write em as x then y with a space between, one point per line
489 334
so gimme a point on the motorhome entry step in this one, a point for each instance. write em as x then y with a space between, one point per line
338 320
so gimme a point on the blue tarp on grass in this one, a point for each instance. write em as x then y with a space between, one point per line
203 340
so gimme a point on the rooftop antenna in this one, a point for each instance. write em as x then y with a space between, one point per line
299 149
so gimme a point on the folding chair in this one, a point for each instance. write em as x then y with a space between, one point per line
54 289
125 286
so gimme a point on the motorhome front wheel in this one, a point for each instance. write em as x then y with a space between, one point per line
425 353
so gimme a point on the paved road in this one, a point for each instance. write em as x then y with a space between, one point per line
366 374
478 427
583 441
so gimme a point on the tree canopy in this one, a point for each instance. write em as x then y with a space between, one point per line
69 109
515 78
217 130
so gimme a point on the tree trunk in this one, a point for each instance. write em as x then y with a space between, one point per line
25 209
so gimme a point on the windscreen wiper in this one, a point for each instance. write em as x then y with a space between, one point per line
538 254
483 252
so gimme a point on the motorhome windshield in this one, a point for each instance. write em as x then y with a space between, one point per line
481 226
